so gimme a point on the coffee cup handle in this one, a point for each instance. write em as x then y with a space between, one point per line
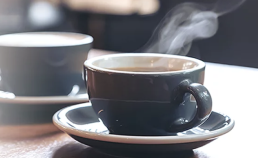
203 100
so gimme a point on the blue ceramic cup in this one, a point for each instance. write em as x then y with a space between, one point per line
148 94
43 63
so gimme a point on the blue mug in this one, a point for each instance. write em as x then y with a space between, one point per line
148 94
43 63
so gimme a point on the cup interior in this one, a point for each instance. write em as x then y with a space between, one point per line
144 63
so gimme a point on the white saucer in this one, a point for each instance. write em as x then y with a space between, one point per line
81 123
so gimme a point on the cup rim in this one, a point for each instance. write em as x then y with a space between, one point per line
89 63
87 39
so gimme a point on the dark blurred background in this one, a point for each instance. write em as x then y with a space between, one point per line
126 25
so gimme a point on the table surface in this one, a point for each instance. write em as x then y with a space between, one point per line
234 93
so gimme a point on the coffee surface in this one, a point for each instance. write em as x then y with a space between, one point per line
145 69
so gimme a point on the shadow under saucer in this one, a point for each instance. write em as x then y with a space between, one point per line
75 150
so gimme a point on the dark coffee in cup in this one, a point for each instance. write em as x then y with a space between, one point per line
144 69
148 94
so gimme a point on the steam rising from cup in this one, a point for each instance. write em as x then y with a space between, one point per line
185 23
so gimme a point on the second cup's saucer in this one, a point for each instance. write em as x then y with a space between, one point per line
6 97
19 110
81 123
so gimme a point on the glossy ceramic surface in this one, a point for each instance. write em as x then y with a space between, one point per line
42 63
148 103
81 123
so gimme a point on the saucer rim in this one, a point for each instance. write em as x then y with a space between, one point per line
45 99
126 139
